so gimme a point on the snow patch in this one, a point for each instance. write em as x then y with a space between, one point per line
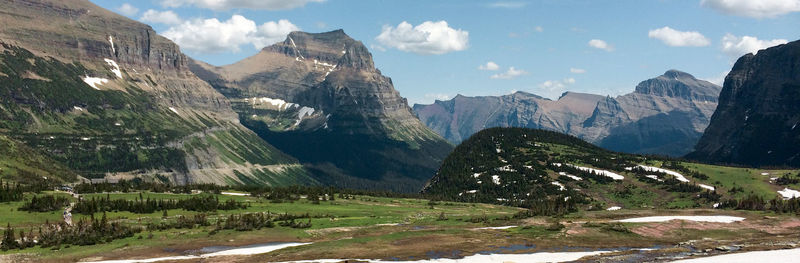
174 110
654 177
705 186
111 40
656 219
775 256
677 175
78 108
614 208
789 193
560 186
93 82
606 173
235 194
278 103
495 228
506 168
302 113
115 66
496 179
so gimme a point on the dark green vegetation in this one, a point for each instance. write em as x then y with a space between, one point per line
528 168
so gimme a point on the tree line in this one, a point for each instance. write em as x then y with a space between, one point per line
140 205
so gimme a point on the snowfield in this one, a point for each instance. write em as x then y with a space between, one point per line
789 193
481 258
606 173
93 82
677 175
656 219
240 251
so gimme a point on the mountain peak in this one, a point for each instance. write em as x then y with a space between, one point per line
679 84
333 47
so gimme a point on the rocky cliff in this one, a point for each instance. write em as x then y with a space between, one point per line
756 121
664 115
320 98
110 98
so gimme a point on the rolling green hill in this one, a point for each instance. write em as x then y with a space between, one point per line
537 168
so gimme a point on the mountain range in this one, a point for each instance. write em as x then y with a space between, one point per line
664 115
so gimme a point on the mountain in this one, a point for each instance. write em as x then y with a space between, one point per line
109 98
319 98
756 121
552 173
664 115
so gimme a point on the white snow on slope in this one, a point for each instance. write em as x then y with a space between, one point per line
606 173
93 82
614 208
495 228
677 175
302 113
712 219
772 256
570 176
235 194
111 40
496 179
789 193
705 186
279 103
174 110
247 250
115 66
560 186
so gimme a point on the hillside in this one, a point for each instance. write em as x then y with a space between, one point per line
756 121
664 115
109 98
555 172
319 98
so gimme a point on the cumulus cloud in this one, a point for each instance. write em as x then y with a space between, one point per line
428 38
231 4
508 4
509 74
127 9
161 17
737 46
675 38
753 8
577 70
556 86
489 66
600 44
214 36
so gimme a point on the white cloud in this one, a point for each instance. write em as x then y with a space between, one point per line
509 74
577 70
538 29
248 4
556 87
128 9
161 17
737 46
754 8
600 44
271 32
675 38
437 96
214 36
508 4
428 38
489 66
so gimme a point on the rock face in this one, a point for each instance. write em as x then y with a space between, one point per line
664 115
320 98
756 122
110 98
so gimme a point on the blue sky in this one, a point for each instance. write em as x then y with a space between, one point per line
552 45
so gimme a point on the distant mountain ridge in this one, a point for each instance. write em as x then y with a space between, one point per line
664 115
756 123
319 97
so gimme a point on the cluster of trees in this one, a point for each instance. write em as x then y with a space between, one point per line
45 203
758 203
125 186
787 179
10 193
201 203
85 232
